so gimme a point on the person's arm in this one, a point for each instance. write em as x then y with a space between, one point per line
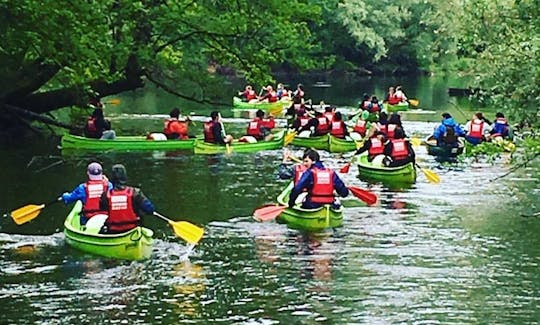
365 147
438 132
339 186
388 149
303 182
79 193
141 202
344 126
218 134
412 154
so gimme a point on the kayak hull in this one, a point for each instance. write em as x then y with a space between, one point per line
343 145
397 108
312 220
318 143
445 152
206 148
70 141
135 244
402 174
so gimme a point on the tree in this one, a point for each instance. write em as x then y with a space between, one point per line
56 55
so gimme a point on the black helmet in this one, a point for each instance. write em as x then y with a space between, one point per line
119 174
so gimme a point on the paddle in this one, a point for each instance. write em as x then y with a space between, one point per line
268 213
414 102
369 197
114 101
431 176
415 142
227 145
29 212
289 138
345 169
183 229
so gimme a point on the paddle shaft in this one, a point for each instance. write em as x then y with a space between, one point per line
157 214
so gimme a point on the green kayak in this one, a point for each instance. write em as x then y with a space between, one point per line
265 106
343 145
319 142
70 141
401 174
206 148
397 108
135 244
308 219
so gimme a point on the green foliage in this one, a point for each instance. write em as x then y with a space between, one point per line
501 38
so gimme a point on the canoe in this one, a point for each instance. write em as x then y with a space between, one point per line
343 145
401 174
70 141
446 152
326 142
397 108
308 219
135 244
265 106
206 148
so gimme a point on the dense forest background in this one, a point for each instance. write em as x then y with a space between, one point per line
57 54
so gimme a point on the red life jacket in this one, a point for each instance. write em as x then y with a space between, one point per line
329 116
338 129
360 127
304 120
209 131
393 99
122 217
389 130
400 149
254 128
91 125
376 148
323 186
272 98
322 128
250 94
476 129
269 123
93 190
299 170
374 107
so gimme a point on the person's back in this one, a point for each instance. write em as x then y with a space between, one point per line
319 181
96 124
398 151
338 127
500 126
125 204
89 193
448 131
173 128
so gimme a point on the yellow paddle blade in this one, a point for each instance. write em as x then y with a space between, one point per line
229 148
359 144
416 142
187 231
431 176
114 101
26 213
289 138
414 102
275 111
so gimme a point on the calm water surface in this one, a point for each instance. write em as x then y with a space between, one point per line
456 252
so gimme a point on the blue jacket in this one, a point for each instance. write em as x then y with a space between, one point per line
306 181
441 129
79 193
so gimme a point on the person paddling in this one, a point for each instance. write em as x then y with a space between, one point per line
319 182
89 193
214 132
125 204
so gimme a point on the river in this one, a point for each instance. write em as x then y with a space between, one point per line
462 251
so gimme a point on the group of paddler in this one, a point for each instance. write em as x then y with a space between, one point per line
110 207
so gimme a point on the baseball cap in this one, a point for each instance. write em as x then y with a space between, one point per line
94 171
